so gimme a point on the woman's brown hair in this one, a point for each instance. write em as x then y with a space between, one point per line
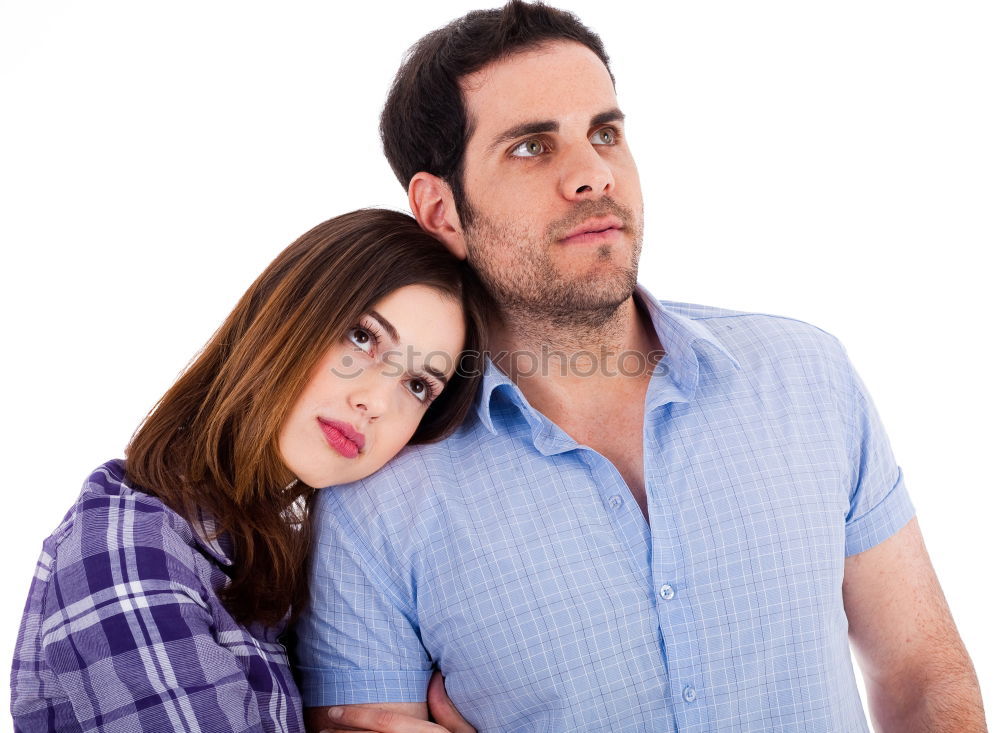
209 448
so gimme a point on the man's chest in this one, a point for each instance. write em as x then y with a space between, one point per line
547 572
616 431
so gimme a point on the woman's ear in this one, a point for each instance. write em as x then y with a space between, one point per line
433 206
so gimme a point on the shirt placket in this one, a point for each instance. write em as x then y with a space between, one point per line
673 592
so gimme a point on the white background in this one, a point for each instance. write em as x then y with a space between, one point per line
836 162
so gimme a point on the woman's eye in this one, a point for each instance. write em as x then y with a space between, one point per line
528 149
420 389
362 338
604 136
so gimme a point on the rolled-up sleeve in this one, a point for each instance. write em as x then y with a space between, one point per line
879 503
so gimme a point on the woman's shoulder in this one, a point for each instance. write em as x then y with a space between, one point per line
116 534
111 510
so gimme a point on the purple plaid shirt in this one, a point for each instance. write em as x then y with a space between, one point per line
124 630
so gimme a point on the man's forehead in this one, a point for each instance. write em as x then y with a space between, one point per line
549 81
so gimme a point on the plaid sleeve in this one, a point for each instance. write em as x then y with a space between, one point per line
879 503
127 631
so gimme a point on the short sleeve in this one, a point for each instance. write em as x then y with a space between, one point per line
358 640
127 634
879 503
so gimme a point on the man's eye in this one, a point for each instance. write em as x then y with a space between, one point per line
362 338
528 149
604 136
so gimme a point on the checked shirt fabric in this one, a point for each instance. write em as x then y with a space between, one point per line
124 630
517 561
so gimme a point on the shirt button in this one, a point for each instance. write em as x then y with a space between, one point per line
689 694
667 592
615 501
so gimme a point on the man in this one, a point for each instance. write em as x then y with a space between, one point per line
660 516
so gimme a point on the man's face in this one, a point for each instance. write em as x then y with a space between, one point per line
554 225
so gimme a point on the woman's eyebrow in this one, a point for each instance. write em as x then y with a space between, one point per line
437 374
384 323
393 334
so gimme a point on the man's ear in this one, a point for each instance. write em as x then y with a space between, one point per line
433 206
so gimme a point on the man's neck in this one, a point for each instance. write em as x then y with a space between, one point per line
578 366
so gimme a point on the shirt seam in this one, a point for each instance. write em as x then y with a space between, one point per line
754 314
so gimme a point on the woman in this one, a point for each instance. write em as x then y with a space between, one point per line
159 602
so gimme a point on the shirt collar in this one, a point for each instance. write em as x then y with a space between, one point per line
206 534
688 345
495 381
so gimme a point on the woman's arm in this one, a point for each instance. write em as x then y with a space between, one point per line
393 717
125 636
390 717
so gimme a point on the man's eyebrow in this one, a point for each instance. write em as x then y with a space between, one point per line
540 126
525 128
389 328
611 115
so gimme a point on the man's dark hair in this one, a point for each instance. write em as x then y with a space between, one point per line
424 123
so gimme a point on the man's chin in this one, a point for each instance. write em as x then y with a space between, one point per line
585 300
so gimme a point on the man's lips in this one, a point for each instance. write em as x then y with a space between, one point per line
595 229
342 437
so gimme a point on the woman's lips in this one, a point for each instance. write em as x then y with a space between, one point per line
342 437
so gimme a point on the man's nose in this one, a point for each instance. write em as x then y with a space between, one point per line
586 174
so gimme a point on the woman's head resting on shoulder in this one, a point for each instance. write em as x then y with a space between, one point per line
363 335
369 392
381 322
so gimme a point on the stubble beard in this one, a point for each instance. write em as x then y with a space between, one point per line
525 283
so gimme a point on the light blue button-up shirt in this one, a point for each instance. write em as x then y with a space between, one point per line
517 560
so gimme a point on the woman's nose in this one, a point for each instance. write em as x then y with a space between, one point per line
371 394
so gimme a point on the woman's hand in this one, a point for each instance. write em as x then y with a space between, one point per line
382 720
374 719
443 710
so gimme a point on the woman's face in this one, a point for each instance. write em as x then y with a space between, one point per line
369 391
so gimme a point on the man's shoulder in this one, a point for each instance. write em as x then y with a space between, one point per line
420 474
440 460
723 320
752 336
